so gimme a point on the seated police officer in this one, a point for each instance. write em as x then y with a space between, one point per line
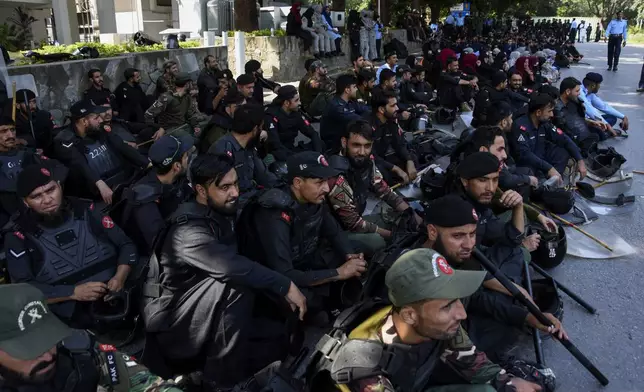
478 181
198 311
66 248
45 355
451 230
132 133
423 330
366 82
221 122
490 96
342 109
175 108
284 122
408 93
541 146
241 145
455 88
288 223
570 115
13 158
98 159
152 199
389 147
359 178
34 126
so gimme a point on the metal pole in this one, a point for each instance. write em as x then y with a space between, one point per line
240 52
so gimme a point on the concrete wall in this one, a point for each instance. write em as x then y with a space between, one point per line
283 58
59 85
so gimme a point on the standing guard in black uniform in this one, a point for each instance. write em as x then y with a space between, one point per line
282 228
98 159
13 158
65 247
240 144
151 200
284 122
33 126
200 291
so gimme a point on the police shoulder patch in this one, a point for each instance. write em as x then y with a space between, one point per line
19 235
285 217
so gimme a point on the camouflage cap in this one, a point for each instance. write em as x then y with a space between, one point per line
422 274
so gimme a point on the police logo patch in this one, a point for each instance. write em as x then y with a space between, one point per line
107 128
275 119
32 312
322 161
559 131
230 154
106 348
444 266
45 172
286 217
107 222
91 207
523 128
19 235
339 181
308 124
475 215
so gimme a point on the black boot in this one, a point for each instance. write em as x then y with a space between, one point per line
338 46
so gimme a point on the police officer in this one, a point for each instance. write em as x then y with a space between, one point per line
13 158
342 109
131 132
208 85
165 82
154 197
130 101
316 89
283 227
241 145
366 83
175 108
408 93
422 329
349 192
60 353
616 32
98 159
284 122
221 122
388 136
200 301
488 99
33 126
66 248
97 90
254 68
541 146
516 85
571 116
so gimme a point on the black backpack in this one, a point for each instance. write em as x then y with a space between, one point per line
396 46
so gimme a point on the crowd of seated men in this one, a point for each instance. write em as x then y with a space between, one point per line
202 209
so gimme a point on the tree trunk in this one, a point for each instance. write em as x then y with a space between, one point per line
339 5
435 10
385 14
246 17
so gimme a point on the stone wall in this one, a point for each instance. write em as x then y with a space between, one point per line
283 58
60 84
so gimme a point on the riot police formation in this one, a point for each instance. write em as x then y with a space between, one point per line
215 238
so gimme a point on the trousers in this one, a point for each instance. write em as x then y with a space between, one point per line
364 43
372 45
614 50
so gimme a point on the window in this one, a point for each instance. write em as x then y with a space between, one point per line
164 3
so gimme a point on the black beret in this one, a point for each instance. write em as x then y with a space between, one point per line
252 66
287 92
6 120
21 94
594 77
450 211
245 79
477 165
32 177
500 111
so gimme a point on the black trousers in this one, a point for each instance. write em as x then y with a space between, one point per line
614 50
641 84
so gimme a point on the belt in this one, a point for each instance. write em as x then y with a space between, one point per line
616 35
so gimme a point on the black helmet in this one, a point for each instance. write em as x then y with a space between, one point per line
432 185
557 200
445 116
546 296
552 247
279 169
115 309
604 162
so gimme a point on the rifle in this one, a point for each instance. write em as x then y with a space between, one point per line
532 308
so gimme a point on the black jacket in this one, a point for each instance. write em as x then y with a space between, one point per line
208 87
131 102
260 84
196 278
282 130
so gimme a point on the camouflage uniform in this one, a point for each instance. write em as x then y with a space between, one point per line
458 353
171 110
314 99
165 83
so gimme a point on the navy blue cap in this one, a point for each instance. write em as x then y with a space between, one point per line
594 77
169 149
83 108
309 164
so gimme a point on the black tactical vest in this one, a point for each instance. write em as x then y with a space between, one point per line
10 167
72 253
103 161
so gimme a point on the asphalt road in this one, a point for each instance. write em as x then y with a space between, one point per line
613 338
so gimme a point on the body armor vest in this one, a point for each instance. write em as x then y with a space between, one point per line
10 167
305 234
102 160
245 166
72 253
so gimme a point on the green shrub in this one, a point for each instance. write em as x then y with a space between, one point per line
111 50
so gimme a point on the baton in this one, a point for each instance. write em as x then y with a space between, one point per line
31 123
13 107
536 334
532 308
167 133
565 289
